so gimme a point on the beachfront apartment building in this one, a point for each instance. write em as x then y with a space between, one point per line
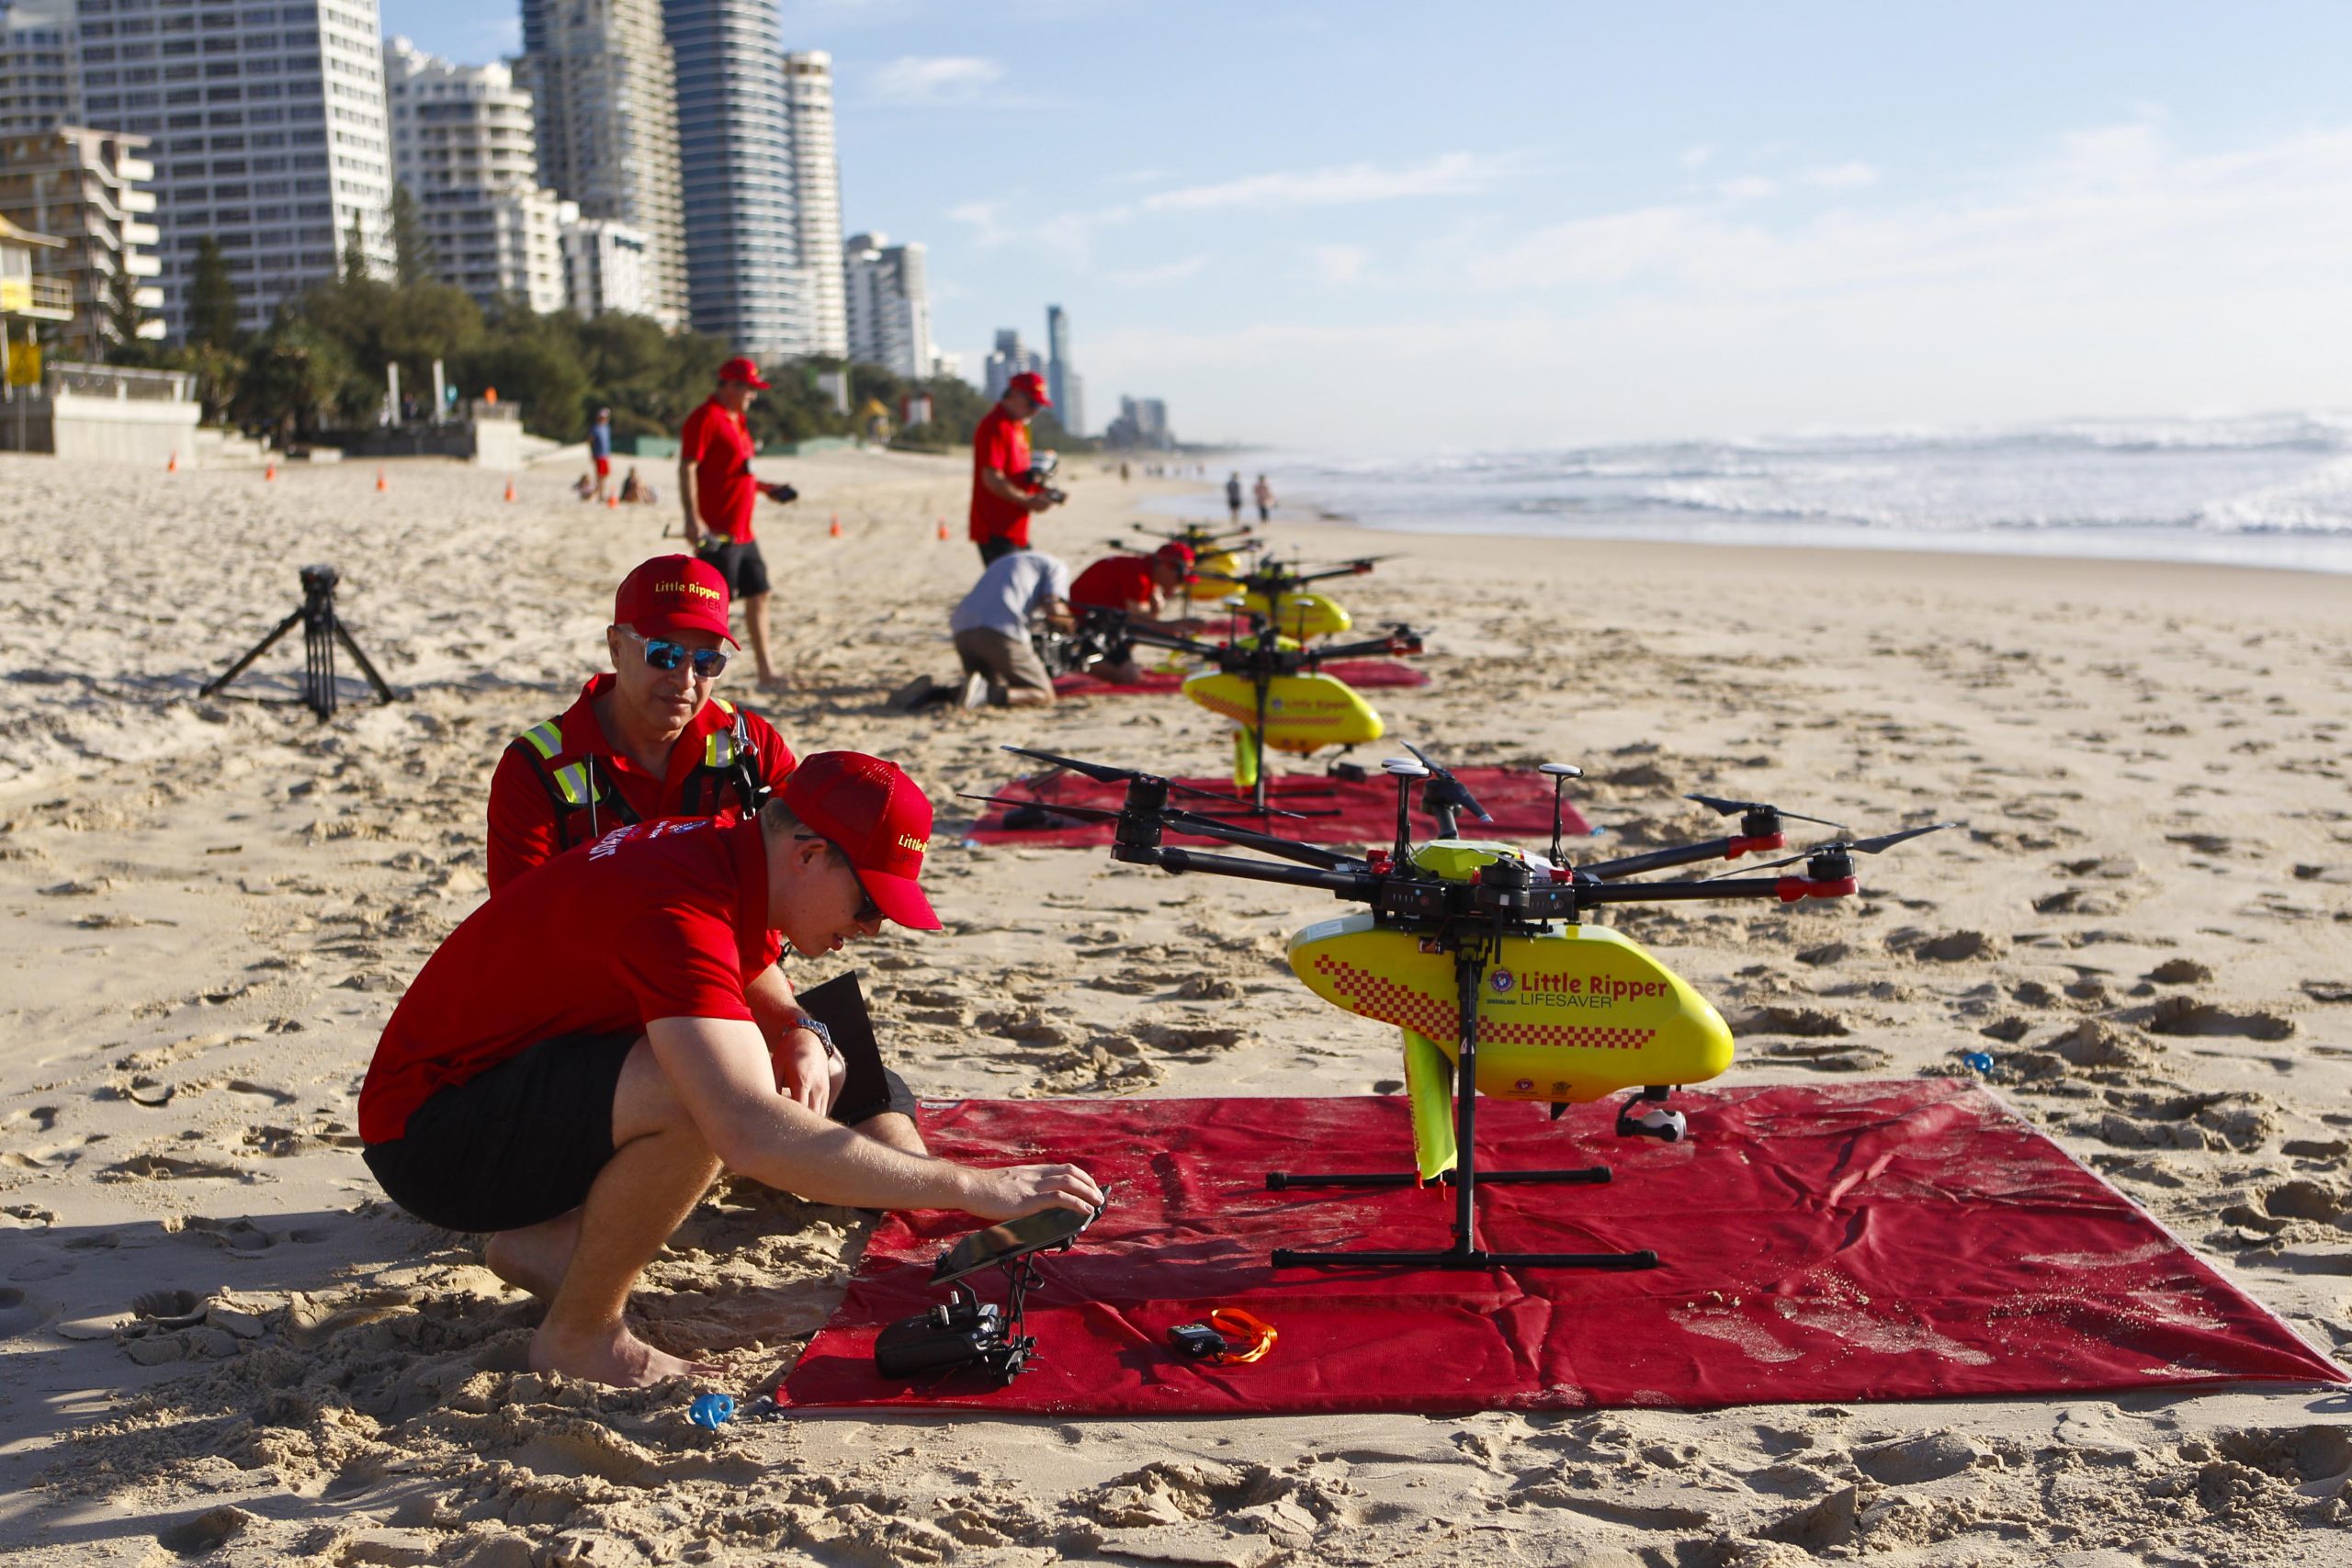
744 286
817 199
464 147
1142 425
605 267
603 103
1063 383
887 305
88 188
40 82
267 131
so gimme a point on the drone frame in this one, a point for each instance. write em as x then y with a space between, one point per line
1507 898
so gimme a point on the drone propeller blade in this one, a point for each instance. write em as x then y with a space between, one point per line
1445 775
1102 772
1888 840
1723 807
1075 813
1852 846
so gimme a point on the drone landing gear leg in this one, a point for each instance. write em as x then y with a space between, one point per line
1470 972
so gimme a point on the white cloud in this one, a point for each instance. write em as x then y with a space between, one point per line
936 79
1166 272
1842 176
1340 264
1751 188
1455 173
1696 157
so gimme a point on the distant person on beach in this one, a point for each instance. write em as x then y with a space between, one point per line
600 449
719 491
1130 591
991 628
584 486
587 1052
1264 494
1233 496
1003 497
632 490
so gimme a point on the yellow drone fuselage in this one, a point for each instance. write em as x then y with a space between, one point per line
1300 615
1567 1015
1304 714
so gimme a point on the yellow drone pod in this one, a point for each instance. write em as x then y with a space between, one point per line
1564 1016
1299 615
1219 571
1303 713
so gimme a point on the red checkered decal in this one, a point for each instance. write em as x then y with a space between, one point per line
1376 997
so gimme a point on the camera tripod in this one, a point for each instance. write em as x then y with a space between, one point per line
322 629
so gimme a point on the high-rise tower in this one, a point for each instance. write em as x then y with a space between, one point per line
744 285
1062 382
604 97
288 158
462 145
817 198
41 86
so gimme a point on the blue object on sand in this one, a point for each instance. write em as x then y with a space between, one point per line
1978 1061
709 1410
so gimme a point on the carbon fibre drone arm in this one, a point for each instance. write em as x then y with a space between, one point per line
1173 858
1679 854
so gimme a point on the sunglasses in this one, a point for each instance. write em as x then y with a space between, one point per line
868 912
665 655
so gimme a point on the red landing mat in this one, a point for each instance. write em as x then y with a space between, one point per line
1369 674
1898 1240
1519 799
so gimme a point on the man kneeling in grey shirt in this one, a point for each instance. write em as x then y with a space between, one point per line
991 627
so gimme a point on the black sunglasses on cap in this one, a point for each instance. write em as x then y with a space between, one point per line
665 655
868 912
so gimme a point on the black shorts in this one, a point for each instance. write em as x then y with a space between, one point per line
742 566
514 1145
995 549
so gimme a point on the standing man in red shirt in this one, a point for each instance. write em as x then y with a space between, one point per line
577 1062
1004 495
719 491
651 738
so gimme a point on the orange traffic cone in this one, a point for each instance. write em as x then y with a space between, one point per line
269 471
510 487
836 529
943 527
174 466
379 480
611 501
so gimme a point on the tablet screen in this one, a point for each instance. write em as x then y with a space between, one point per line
1031 1232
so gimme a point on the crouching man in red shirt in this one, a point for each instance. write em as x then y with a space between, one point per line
1131 591
575 1065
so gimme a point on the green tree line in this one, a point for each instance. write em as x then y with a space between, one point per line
318 369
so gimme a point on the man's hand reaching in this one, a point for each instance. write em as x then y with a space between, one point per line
1010 1191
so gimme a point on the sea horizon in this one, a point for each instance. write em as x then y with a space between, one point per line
2267 490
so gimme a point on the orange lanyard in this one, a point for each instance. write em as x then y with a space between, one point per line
1239 1325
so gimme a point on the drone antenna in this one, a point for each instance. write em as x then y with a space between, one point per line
1404 770
1561 773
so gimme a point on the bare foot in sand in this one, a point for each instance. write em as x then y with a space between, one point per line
535 1257
613 1356
775 683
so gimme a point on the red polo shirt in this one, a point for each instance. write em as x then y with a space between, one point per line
1114 582
523 815
659 919
719 446
1000 443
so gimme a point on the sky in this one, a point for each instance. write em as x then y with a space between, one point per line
1363 227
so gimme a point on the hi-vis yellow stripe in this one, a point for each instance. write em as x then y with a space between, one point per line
547 740
719 750
573 781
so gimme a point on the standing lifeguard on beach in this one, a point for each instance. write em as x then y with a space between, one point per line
651 738
1004 495
720 493
577 1062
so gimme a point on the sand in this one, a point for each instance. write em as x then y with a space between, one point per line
221 1344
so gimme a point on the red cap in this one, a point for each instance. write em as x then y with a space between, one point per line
672 593
874 815
744 370
1029 381
1177 554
